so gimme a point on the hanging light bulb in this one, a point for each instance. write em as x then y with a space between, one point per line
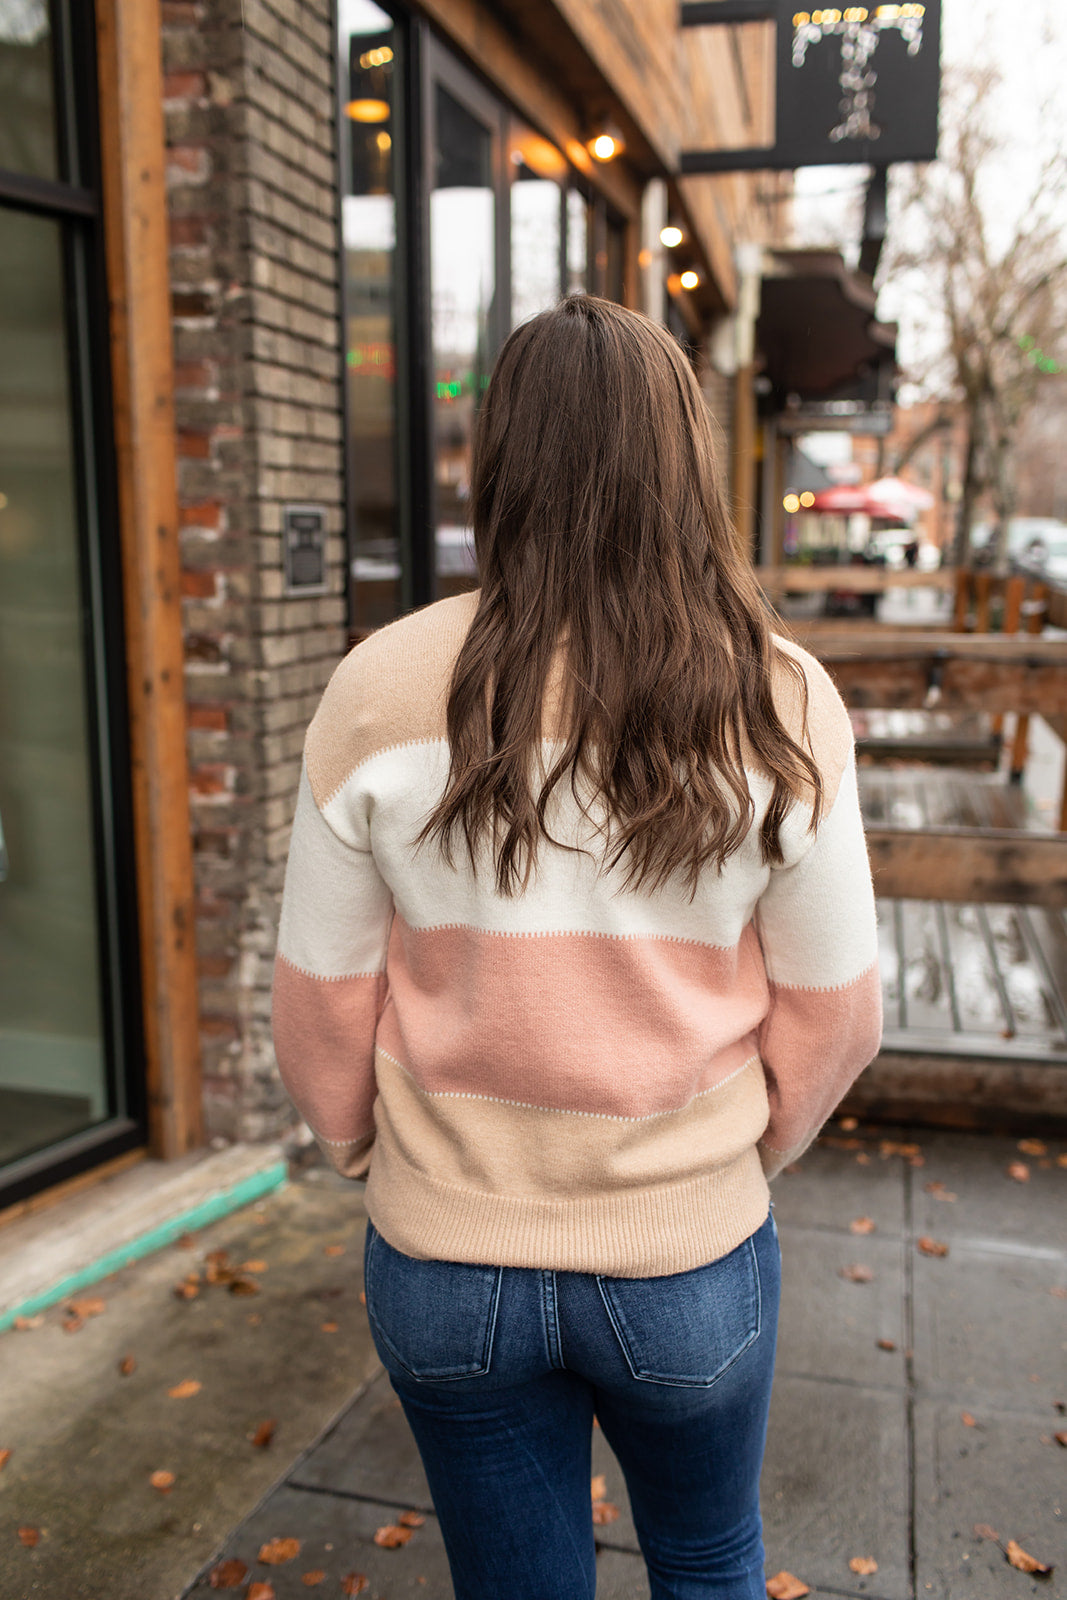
671 237
606 141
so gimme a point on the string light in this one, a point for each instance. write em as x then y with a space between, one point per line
671 237
689 280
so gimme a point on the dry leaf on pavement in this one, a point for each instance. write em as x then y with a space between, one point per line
411 1519
938 1190
333 1250
1032 1147
329 1327
92 1307
856 1273
783 1586
312 1579
604 1512
967 1420
72 1322
864 1565
984 1531
276 1552
241 1283
29 1537
598 1487
253 1266
931 1247
163 1481
264 1433
1019 1171
188 1289
186 1389
1061 1438
228 1574
1024 1562
392 1536
24 1324
353 1583
861 1225
260 1590
5 1457
127 1365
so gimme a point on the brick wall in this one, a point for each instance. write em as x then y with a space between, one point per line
254 268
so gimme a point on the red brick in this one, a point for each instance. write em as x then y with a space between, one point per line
215 718
187 231
200 585
210 780
184 85
204 514
214 966
187 157
194 374
219 1027
195 445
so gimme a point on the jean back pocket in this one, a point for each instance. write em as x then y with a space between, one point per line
433 1320
688 1328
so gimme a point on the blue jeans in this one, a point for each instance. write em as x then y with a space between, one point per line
500 1371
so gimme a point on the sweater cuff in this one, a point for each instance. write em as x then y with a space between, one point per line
773 1161
349 1157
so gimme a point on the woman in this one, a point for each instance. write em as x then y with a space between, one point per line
577 951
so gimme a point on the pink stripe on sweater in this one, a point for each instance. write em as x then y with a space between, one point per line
324 1041
571 1021
820 1039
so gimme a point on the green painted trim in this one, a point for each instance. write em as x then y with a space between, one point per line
198 1216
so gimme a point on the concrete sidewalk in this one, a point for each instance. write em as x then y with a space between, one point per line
870 1451
869 1454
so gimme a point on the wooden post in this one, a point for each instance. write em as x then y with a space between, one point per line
1035 621
963 596
1013 609
135 229
743 461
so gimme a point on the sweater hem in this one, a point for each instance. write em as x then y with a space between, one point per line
649 1232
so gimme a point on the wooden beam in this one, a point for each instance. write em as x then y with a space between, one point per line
135 224
979 865
860 580
948 672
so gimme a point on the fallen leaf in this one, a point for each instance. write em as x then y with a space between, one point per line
598 1487
893 1147
862 1160
228 1574
217 1267
861 1225
783 1586
163 1481
835 1143
93 1307
887 1344
1032 1147
984 1531
967 1420
848 1124
333 1250
604 1512
1061 1438
127 1365
254 1319
242 1284
186 1389
329 1327
5 1457
363 1297
392 1536
1019 1171
277 1551
264 1433
1024 1562
253 1266
1061 1159
260 1590
188 1289
411 1519
1059 1290
24 1324
185 1241
864 1565
938 1190
29 1537
856 1273
931 1247
311 1579
71 1324
353 1583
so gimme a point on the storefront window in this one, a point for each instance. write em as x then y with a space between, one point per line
27 112
463 286
537 169
372 53
577 242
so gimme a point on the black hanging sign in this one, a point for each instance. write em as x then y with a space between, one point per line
304 546
855 83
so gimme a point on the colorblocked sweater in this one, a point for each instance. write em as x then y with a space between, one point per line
581 1076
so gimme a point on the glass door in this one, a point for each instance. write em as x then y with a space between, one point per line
68 968
469 312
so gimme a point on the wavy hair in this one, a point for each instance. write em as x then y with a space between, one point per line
601 532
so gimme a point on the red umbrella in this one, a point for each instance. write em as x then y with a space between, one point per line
846 498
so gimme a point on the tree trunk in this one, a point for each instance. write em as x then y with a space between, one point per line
972 482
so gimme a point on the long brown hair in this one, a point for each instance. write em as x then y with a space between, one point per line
600 530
